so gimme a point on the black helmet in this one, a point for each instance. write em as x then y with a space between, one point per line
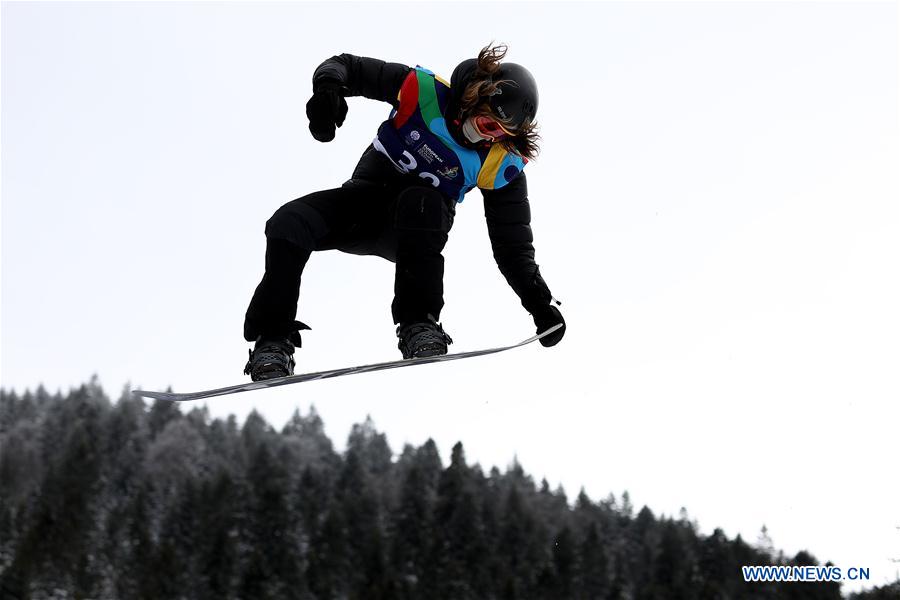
516 98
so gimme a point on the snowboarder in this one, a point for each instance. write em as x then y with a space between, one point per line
441 141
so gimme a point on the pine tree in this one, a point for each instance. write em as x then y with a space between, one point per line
559 581
56 545
519 547
329 565
675 566
458 549
362 514
217 531
593 577
161 413
305 438
413 525
276 567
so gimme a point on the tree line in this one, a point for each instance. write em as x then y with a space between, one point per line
102 499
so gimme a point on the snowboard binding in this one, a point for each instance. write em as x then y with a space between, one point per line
422 339
273 357
270 359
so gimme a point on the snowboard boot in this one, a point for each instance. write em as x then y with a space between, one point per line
270 358
423 338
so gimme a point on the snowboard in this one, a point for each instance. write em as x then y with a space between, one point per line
291 379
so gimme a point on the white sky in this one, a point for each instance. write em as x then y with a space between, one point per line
717 205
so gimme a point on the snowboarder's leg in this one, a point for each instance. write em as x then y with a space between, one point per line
270 319
318 221
273 308
423 219
314 222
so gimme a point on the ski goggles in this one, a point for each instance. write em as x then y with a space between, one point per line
490 128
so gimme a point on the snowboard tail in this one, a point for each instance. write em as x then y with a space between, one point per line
291 379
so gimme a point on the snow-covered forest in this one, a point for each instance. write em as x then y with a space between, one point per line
103 499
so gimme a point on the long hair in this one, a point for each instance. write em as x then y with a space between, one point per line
474 103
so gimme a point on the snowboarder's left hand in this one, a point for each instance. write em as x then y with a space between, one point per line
547 318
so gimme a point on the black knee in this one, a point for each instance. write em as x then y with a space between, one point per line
297 223
424 209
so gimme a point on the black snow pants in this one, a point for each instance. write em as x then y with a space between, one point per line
406 224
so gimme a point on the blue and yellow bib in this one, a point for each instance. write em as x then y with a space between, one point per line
416 140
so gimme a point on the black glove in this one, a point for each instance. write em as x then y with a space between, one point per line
326 109
547 318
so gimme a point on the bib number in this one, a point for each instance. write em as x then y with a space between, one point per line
406 163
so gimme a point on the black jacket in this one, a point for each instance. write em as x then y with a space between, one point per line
506 209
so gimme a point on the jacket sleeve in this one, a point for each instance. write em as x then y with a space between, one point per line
361 76
508 217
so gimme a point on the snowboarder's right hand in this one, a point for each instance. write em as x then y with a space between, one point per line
326 109
547 318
